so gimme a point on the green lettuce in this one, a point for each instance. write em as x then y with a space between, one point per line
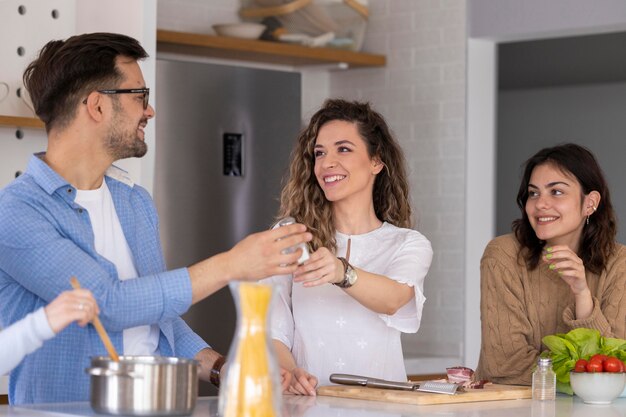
566 349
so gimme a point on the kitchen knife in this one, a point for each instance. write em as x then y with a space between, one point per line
427 386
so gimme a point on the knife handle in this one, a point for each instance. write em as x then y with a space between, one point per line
347 379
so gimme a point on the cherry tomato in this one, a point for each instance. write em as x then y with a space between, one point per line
594 365
612 365
599 356
581 366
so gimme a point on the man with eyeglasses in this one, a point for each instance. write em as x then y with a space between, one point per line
73 213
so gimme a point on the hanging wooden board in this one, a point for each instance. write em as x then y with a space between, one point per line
491 392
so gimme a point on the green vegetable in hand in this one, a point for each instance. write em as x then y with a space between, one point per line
567 349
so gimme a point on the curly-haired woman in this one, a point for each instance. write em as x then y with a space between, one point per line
344 309
561 269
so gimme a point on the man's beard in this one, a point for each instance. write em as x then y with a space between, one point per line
122 144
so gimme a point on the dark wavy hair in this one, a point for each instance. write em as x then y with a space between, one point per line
598 237
303 198
66 71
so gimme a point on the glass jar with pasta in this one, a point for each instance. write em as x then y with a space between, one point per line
252 383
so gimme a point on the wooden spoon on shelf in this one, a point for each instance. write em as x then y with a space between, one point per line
100 329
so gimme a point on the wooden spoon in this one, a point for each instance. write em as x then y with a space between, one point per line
100 329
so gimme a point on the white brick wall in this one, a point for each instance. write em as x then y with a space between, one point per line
195 16
421 92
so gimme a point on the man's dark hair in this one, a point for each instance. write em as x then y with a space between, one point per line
65 72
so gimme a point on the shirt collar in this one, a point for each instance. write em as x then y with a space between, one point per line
50 180
120 175
44 176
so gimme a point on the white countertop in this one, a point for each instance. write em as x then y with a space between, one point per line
564 406
414 366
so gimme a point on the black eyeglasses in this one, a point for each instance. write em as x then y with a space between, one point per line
144 91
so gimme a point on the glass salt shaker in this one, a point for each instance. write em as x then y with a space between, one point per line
305 249
544 381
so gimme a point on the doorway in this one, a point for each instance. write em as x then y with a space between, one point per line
551 91
490 24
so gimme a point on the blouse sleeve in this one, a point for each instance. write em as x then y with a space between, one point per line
281 321
507 353
410 266
23 337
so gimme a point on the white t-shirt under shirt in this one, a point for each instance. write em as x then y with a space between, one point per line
328 331
111 244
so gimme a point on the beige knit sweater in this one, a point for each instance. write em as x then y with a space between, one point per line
518 307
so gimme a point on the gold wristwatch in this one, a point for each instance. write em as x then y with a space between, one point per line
349 275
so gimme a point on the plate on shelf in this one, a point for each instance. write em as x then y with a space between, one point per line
243 30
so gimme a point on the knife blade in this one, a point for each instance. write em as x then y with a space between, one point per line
427 386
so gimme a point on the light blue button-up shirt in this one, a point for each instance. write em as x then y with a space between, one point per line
46 238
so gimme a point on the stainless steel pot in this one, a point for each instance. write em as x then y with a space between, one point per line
143 385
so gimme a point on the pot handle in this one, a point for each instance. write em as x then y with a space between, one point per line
111 372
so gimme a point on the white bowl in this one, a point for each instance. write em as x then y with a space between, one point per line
240 30
597 387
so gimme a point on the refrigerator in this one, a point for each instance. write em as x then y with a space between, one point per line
223 139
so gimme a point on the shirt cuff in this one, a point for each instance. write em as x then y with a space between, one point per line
176 286
408 318
595 321
41 325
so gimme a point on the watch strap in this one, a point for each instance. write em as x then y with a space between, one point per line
345 283
216 370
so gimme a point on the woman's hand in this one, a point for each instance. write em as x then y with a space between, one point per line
285 379
569 266
301 383
76 305
572 270
322 267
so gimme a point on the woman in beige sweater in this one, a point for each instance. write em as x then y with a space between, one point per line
559 270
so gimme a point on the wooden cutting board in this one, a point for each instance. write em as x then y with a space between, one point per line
491 392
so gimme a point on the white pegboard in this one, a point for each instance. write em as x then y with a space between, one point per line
25 24
33 29
15 153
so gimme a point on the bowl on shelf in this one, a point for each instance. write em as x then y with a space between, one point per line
244 30
597 387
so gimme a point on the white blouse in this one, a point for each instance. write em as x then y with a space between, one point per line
328 331
23 337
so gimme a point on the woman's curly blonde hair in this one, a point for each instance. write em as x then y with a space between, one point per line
303 198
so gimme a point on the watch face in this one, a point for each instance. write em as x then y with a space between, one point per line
351 275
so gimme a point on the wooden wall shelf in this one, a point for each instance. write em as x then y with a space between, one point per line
241 50
261 51
17 121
